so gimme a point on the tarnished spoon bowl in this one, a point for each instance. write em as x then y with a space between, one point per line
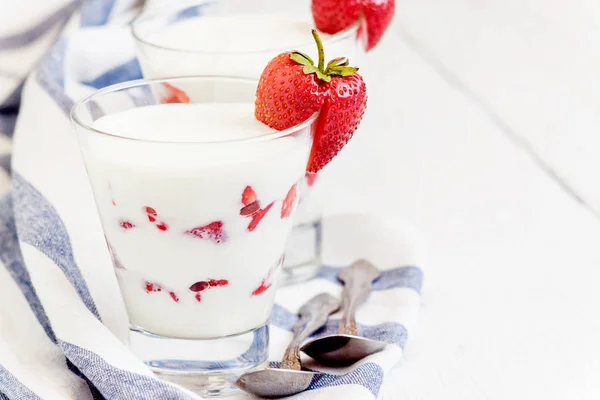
341 349
275 382
289 379
346 347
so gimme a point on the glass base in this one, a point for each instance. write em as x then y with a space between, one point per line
208 367
303 253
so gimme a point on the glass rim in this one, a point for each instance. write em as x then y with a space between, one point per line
275 134
336 37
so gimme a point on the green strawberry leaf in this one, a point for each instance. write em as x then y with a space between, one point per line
301 58
336 61
323 76
343 71
309 69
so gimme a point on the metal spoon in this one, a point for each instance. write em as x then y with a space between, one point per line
289 379
347 347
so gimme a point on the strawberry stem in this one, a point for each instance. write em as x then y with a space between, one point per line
320 49
336 67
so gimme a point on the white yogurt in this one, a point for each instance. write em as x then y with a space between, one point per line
151 196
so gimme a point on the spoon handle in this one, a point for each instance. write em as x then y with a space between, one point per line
357 278
313 315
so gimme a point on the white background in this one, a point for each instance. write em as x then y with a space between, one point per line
482 131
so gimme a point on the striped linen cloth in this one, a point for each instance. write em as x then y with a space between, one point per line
63 327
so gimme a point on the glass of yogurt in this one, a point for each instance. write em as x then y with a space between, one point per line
239 38
196 198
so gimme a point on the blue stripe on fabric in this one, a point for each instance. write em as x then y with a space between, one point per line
405 277
7 122
189 12
389 332
10 104
283 318
13 260
369 375
195 10
39 225
5 162
259 348
96 395
52 65
96 12
23 38
255 354
3 396
126 72
50 75
13 388
116 383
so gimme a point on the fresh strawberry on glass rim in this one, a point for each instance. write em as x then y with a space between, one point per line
377 16
292 88
333 16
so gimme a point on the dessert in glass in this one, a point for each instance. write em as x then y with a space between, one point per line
196 198
218 37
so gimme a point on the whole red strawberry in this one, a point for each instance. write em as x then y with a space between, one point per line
292 88
333 16
377 16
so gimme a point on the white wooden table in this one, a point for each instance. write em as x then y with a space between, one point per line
483 134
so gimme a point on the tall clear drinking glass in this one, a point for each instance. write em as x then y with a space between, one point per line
238 37
196 202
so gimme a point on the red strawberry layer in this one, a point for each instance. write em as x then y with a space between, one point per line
248 196
152 287
153 217
213 231
266 282
175 95
288 203
263 287
258 216
202 286
250 209
126 224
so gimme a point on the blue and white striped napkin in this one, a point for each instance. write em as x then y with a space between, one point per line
63 327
